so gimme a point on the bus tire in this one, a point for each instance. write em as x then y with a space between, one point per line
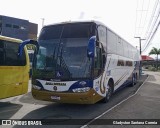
134 80
109 93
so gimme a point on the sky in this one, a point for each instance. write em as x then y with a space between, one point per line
124 17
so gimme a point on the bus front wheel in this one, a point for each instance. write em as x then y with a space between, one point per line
109 92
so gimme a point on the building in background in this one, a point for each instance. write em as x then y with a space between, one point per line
146 58
148 62
18 28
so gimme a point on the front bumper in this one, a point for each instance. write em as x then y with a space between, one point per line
89 97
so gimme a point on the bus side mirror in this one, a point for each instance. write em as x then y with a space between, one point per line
22 45
91 47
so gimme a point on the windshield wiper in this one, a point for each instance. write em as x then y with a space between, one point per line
62 65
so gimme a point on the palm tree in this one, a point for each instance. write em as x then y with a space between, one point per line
156 52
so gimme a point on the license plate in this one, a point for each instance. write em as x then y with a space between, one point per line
55 97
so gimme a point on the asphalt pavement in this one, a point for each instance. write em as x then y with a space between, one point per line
128 103
142 109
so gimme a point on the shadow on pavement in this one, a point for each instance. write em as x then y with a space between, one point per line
63 114
27 98
8 109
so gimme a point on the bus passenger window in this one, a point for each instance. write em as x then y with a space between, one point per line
1 56
11 58
1 53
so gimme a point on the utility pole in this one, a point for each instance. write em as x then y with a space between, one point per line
1 26
42 21
140 50
140 44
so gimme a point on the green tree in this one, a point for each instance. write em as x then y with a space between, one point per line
155 51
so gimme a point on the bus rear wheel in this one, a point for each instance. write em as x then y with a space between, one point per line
109 92
134 80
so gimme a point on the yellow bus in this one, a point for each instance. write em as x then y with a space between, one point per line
14 70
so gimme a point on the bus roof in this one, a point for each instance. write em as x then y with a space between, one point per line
68 22
10 39
83 21
89 21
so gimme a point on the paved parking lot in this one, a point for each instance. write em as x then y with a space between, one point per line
145 104
125 104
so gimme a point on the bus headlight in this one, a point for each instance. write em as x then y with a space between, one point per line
85 89
36 87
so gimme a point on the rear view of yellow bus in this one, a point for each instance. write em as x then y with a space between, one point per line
14 70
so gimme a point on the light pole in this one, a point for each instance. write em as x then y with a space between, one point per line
140 64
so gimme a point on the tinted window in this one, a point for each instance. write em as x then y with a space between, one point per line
76 30
1 53
9 56
8 25
16 26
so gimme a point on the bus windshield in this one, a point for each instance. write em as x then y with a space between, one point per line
63 51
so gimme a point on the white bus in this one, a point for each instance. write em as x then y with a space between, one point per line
82 62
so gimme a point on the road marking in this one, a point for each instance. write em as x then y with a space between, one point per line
84 126
24 110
